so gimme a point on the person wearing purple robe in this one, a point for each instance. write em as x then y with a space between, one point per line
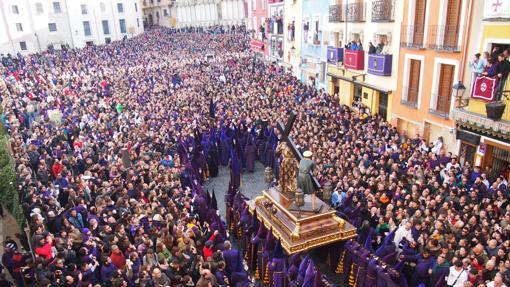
293 269
424 262
277 270
225 146
250 153
264 258
233 259
255 248
235 169
362 262
372 269
317 281
302 270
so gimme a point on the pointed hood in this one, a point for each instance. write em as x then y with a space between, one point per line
295 259
303 266
309 275
278 250
214 202
254 225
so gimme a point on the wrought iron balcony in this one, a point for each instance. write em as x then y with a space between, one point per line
383 10
442 108
336 13
356 12
411 97
481 122
444 38
411 36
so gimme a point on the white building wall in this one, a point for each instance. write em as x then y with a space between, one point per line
69 23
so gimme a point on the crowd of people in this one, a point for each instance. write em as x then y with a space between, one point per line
112 144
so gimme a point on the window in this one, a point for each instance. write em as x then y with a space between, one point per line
23 46
120 7
106 27
84 9
414 83
107 40
86 28
419 22
444 93
165 12
56 7
52 27
122 24
19 27
39 8
15 9
102 7
136 7
138 22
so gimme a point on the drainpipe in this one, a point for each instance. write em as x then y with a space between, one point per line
466 42
69 24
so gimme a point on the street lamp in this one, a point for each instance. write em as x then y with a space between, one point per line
459 89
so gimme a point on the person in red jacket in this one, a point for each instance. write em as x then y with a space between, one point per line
118 259
43 248
56 168
208 248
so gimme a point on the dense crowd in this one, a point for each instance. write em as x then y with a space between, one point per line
112 144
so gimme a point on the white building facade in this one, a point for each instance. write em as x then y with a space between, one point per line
30 26
210 12
159 13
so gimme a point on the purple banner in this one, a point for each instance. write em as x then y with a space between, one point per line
335 55
379 64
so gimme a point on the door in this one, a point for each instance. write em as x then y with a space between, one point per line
444 96
419 22
383 105
451 29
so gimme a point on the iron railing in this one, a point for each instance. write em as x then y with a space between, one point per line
444 38
356 12
412 36
383 10
442 108
411 97
336 13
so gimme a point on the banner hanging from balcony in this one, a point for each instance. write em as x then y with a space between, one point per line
484 88
257 45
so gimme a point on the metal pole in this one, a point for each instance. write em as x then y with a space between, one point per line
27 233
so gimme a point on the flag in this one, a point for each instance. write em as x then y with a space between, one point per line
484 88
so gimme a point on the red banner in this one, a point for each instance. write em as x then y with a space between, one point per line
484 88
257 45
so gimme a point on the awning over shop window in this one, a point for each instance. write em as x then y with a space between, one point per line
257 45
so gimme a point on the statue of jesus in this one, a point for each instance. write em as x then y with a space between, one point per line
288 167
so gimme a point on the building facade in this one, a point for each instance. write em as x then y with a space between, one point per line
158 12
210 12
434 35
293 17
274 24
256 23
364 74
314 42
482 113
36 25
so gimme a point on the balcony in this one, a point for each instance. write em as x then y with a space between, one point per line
379 64
442 108
336 13
411 37
383 10
481 123
444 38
335 55
354 59
411 97
356 12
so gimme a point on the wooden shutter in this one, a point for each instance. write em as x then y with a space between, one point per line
414 81
451 29
444 96
419 21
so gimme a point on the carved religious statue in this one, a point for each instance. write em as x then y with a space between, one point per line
288 168
304 178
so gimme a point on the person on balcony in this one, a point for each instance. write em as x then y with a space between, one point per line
477 65
491 69
372 49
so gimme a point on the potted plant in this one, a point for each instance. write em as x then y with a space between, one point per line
496 109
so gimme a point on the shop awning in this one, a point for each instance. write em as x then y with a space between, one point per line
363 84
257 45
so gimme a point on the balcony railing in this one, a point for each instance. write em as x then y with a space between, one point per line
356 12
411 97
336 13
411 36
383 10
442 108
466 118
444 38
